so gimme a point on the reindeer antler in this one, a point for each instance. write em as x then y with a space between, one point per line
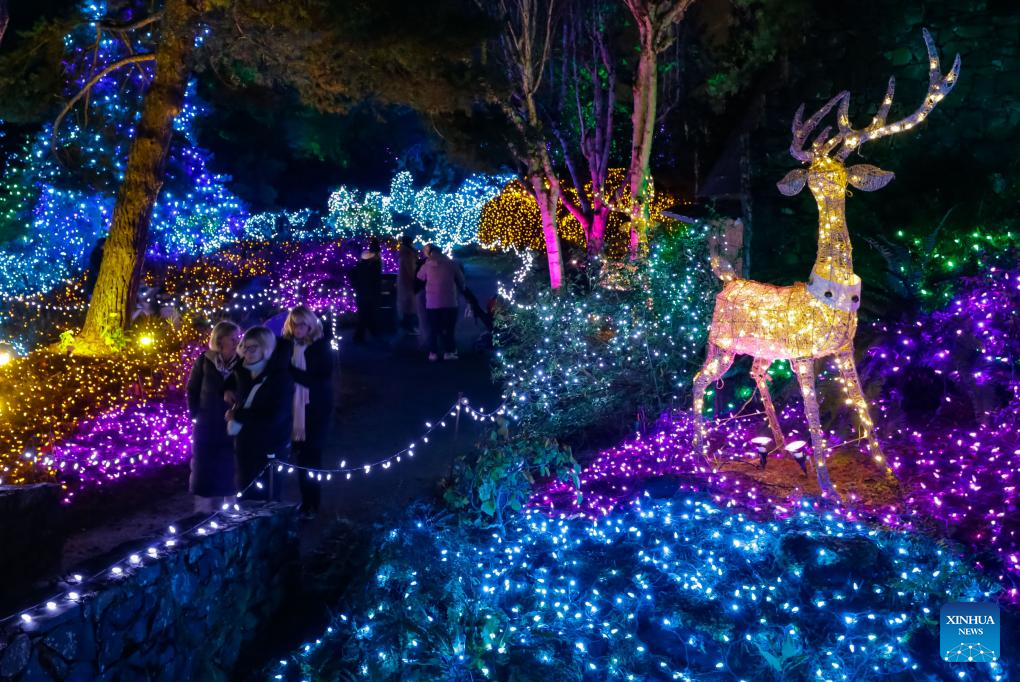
938 87
801 130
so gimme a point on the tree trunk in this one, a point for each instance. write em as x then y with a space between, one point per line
4 18
654 19
643 123
599 222
124 254
548 202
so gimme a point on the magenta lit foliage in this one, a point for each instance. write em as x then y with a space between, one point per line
126 441
959 468
313 273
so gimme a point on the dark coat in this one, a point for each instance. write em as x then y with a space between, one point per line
366 279
212 449
317 377
265 425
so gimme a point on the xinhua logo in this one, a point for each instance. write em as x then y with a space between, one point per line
969 632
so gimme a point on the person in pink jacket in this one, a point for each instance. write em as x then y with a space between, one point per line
443 283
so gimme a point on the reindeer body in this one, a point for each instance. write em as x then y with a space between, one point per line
784 323
816 319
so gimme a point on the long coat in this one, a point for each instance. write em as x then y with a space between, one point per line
266 424
212 449
407 283
317 377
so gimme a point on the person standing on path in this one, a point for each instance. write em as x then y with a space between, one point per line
212 449
261 420
311 367
443 283
407 266
366 278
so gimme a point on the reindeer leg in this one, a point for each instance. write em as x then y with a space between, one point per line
805 368
759 370
855 398
717 361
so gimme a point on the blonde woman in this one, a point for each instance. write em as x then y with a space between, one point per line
260 419
311 367
212 450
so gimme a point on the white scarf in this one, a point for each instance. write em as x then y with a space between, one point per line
300 394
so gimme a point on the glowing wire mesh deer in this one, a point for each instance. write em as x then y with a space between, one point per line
804 322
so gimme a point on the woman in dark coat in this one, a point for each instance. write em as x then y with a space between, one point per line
311 366
212 449
260 419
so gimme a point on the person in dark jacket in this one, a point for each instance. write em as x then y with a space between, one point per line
366 279
212 449
260 420
311 366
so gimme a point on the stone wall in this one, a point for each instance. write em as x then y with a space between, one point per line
31 536
182 612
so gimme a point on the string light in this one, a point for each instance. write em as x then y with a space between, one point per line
345 472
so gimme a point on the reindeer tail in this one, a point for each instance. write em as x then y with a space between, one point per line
725 243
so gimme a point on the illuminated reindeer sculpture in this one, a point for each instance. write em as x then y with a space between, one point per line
804 322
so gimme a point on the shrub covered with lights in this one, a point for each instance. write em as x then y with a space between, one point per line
618 339
445 218
926 271
490 486
511 219
675 589
957 364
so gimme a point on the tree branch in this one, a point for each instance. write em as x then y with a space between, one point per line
4 18
134 59
141 23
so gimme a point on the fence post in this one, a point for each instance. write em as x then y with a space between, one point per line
272 477
456 421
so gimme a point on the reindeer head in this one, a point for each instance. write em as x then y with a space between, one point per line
826 176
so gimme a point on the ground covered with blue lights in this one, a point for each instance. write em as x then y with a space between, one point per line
667 589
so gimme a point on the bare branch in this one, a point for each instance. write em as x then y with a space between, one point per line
4 18
134 59
141 23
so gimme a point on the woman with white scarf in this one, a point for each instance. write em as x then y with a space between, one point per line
260 420
311 367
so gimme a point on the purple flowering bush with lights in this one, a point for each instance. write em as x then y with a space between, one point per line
665 589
